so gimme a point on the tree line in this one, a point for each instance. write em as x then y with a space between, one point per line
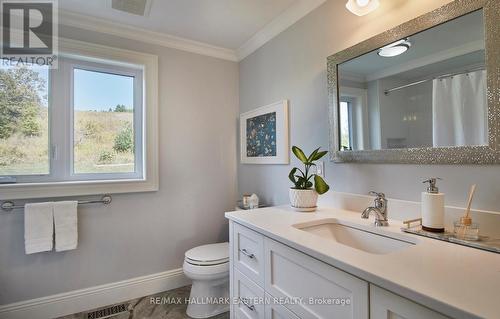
20 102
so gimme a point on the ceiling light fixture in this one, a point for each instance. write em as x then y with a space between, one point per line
394 49
361 7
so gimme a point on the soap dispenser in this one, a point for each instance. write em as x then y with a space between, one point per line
432 208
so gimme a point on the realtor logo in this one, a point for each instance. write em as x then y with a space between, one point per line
29 32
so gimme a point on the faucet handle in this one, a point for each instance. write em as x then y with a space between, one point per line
380 200
378 195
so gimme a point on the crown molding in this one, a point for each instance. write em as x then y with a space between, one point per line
282 22
85 22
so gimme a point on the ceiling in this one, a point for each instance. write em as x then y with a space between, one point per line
223 23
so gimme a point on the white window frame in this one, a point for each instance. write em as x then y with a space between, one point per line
358 98
138 127
95 57
349 103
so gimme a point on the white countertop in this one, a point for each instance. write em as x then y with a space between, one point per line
455 280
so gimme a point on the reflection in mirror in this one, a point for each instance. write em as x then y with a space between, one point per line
427 90
345 124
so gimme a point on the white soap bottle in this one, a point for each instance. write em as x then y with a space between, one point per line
432 208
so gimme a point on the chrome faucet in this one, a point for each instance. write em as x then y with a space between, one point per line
380 210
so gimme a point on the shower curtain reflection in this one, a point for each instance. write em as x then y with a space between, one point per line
459 110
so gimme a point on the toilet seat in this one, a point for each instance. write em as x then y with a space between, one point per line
205 272
206 263
208 268
208 255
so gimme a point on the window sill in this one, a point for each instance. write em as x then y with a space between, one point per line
79 188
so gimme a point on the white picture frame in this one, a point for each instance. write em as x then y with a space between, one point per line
256 146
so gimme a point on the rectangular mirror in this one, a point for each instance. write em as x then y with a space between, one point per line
426 90
423 92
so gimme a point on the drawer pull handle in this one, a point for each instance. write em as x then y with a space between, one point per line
249 306
246 253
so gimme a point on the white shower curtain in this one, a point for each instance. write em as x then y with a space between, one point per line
459 110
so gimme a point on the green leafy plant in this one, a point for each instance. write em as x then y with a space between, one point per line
124 141
31 127
302 178
106 157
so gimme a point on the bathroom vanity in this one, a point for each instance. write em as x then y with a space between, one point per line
385 107
333 264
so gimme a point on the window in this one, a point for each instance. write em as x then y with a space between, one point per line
103 106
106 120
24 121
91 120
345 125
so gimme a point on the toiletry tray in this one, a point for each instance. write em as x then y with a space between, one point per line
484 242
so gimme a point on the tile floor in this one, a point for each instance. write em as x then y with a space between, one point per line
142 308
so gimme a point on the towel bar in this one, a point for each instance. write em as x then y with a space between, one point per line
8 206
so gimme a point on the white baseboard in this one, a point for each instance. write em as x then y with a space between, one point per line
94 297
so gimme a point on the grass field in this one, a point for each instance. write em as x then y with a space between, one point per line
95 137
20 155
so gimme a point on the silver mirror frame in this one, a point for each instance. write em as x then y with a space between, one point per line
487 154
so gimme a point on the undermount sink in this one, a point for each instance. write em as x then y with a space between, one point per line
355 237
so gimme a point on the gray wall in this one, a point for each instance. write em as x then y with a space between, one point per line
145 233
293 66
411 101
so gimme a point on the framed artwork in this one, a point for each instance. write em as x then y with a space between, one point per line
264 135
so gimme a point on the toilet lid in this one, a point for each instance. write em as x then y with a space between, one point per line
209 254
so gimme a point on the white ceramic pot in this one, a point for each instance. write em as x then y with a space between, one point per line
303 200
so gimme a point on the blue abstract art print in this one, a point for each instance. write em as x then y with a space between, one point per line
261 135
264 135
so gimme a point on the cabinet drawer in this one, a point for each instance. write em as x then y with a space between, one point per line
277 311
290 273
385 304
250 298
248 253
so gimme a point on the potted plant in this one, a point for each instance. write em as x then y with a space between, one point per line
304 194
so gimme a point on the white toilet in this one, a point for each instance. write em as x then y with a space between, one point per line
208 268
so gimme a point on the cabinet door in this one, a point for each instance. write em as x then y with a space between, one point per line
231 269
323 291
249 297
248 253
276 311
386 305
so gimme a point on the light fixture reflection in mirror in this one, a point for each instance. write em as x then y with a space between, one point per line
362 7
395 49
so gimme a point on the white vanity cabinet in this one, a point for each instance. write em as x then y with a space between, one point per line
264 267
324 290
248 253
386 305
248 295
270 280
275 310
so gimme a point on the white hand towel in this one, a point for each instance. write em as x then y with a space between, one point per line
66 225
38 227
